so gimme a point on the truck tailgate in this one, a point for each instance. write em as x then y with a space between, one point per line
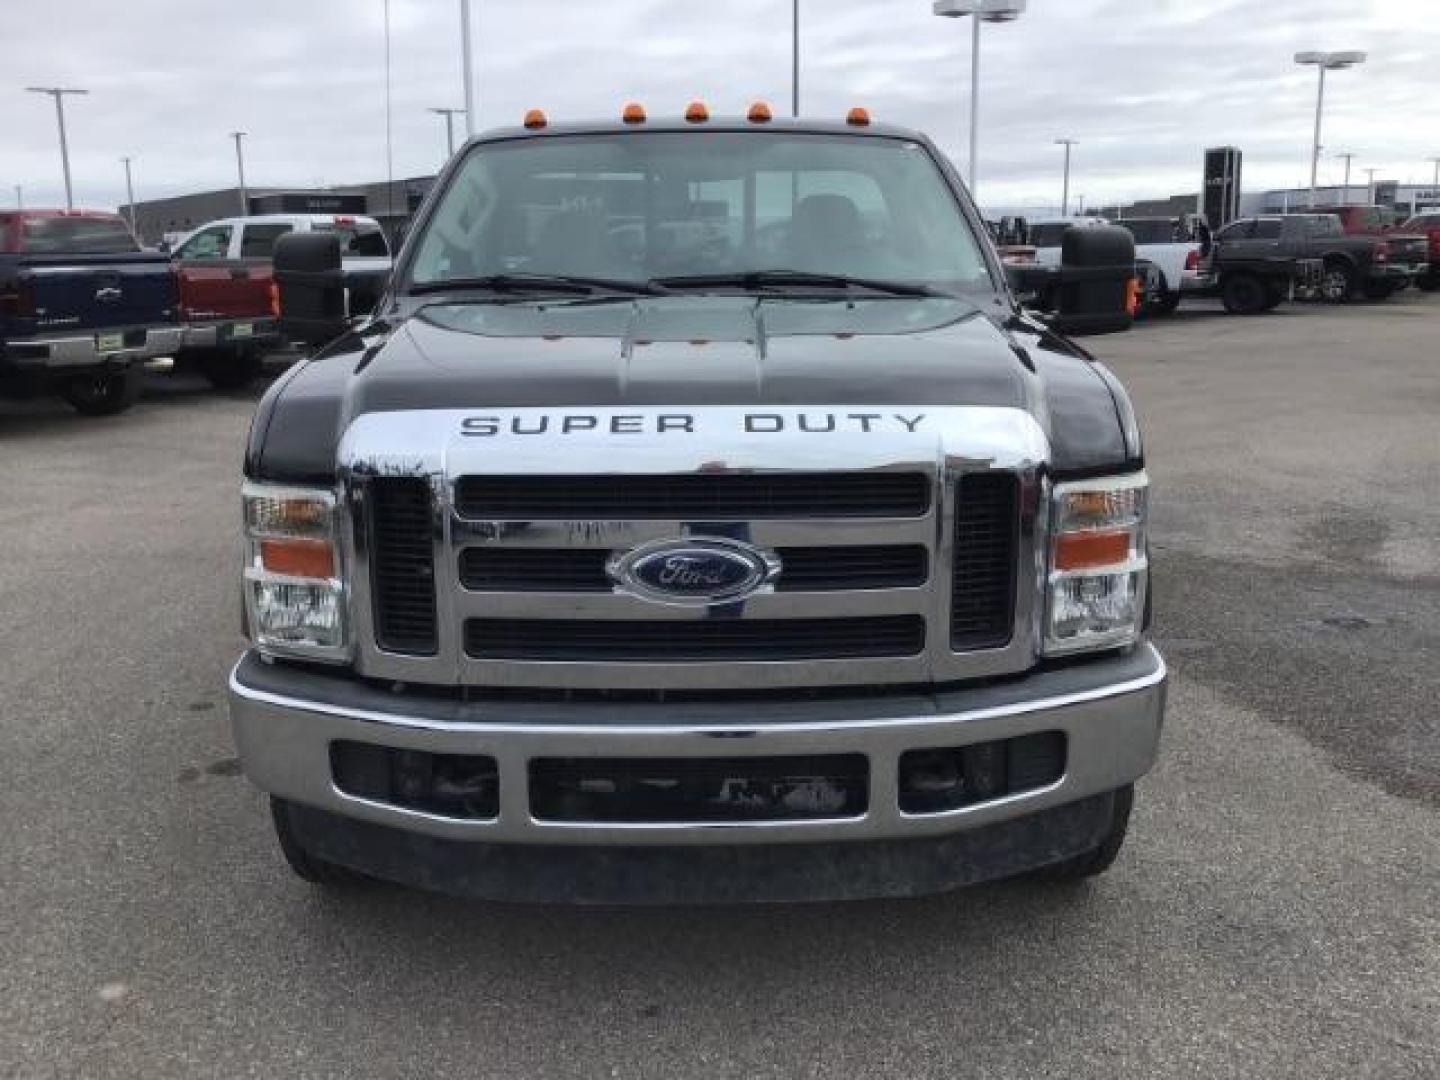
96 292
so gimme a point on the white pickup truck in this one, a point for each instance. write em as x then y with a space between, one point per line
1169 248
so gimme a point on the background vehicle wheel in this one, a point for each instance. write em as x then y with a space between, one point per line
1379 290
228 369
1243 294
103 393
1274 297
1428 284
1337 283
309 867
1101 858
1168 302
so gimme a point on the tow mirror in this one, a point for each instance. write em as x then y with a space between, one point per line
1098 283
311 285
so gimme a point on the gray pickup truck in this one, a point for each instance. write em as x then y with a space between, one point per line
697 518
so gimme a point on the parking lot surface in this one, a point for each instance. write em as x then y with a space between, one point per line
1276 912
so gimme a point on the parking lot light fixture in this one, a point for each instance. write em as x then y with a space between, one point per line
994 11
130 194
240 166
467 65
58 93
1436 162
1347 158
1065 190
449 115
1324 61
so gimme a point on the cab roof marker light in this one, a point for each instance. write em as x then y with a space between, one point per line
697 112
858 117
633 113
536 119
760 113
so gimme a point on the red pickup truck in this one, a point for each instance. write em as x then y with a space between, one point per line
1427 225
228 302
1406 247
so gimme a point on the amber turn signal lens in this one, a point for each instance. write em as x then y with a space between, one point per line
535 119
298 558
1091 550
697 113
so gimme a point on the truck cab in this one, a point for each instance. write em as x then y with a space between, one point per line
697 518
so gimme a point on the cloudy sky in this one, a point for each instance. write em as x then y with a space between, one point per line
1143 84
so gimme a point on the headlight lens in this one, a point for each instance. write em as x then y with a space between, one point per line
1098 570
294 578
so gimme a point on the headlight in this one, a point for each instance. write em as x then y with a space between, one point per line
294 578
1098 570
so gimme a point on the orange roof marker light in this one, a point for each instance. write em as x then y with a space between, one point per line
697 112
858 117
634 113
536 119
760 113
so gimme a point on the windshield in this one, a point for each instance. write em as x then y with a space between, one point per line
1048 234
634 207
76 236
1154 230
357 238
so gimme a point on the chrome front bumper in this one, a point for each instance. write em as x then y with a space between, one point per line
83 351
1111 711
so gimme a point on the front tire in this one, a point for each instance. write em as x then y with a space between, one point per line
103 393
1243 294
306 865
1378 291
1100 858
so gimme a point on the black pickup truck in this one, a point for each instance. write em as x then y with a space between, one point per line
1349 266
81 306
697 517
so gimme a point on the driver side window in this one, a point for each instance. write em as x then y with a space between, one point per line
209 243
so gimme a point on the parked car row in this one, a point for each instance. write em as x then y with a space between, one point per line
83 306
1253 264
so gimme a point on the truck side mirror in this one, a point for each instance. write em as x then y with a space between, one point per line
311 285
1098 281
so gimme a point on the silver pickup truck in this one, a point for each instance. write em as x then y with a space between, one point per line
697 518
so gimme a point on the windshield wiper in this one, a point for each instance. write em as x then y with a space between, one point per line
522 282
772 279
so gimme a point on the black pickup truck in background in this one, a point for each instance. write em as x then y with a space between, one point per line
1349 266
81 307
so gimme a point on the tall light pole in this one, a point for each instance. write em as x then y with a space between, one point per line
467 60
1370 185
994 11
1065 191
1436 162
130 194
795 58
19 197
449 115
1325 61
1347 158
240 166
58 93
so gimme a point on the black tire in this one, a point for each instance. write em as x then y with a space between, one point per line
103 393
307 867
1429 283
1378 291
1274 296
1243 294
1099 859
1168 302
230 369
1337 282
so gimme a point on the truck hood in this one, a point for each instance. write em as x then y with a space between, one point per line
691 351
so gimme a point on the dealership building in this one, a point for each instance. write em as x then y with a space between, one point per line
389 203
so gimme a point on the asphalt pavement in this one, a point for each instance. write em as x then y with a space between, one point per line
1276 912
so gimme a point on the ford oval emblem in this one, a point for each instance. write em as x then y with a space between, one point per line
694 572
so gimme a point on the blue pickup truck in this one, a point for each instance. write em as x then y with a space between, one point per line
82 306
